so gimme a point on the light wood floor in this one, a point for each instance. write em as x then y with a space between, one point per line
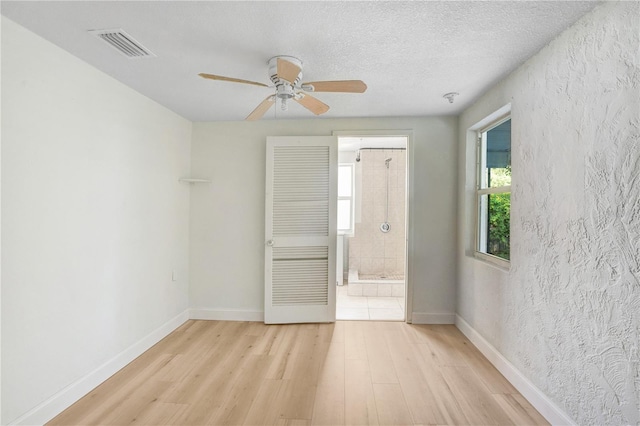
360 373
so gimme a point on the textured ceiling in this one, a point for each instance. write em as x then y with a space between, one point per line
408 53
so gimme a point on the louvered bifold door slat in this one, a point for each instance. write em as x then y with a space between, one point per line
300 224
300 282
301 191
300 276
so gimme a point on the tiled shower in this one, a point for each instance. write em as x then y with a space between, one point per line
377 258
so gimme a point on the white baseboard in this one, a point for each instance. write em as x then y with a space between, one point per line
225 315
429 318
535 396
62 400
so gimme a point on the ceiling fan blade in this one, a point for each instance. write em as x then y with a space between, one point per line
312 104
346 86
287 70
233 80
261 109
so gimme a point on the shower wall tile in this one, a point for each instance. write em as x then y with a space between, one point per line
354 289
390 249
390 265
370 290
394 199
378 239
402 175
384 290
366 265
397 290
354 263
379 196
367 252
378 215
378 265
379 180
367 197
370 250
396 214
354 250
393 178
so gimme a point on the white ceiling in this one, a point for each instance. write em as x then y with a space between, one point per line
408 53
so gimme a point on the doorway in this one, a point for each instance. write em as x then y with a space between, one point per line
372 224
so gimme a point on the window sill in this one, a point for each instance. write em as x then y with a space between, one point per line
494 261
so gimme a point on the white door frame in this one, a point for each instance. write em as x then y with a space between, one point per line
408 273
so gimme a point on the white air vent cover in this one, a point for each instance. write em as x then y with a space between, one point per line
123 42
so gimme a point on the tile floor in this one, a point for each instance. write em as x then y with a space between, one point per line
368 308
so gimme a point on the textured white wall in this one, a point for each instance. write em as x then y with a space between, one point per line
567 314
227 216
93 218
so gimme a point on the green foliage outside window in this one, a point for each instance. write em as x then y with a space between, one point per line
499 214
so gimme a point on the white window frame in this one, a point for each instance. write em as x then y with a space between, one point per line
481 209
349 232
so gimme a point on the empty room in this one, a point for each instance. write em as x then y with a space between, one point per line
320 212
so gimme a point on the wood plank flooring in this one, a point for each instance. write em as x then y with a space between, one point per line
347 373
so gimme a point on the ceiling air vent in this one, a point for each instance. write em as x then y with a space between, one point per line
123 42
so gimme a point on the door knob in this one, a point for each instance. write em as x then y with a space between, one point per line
270 243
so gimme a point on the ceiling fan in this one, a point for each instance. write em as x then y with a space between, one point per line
286 73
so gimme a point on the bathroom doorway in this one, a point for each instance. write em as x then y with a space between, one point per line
372 228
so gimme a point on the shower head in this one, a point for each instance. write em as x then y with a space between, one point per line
386 162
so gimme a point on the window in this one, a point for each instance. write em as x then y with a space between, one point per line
345 198
494 191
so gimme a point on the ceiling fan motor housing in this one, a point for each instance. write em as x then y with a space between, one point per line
284 87
285 91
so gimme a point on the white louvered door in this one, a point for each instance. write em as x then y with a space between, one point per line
300 244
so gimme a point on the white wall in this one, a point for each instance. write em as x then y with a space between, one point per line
567 314
93 218
227 216
0 236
